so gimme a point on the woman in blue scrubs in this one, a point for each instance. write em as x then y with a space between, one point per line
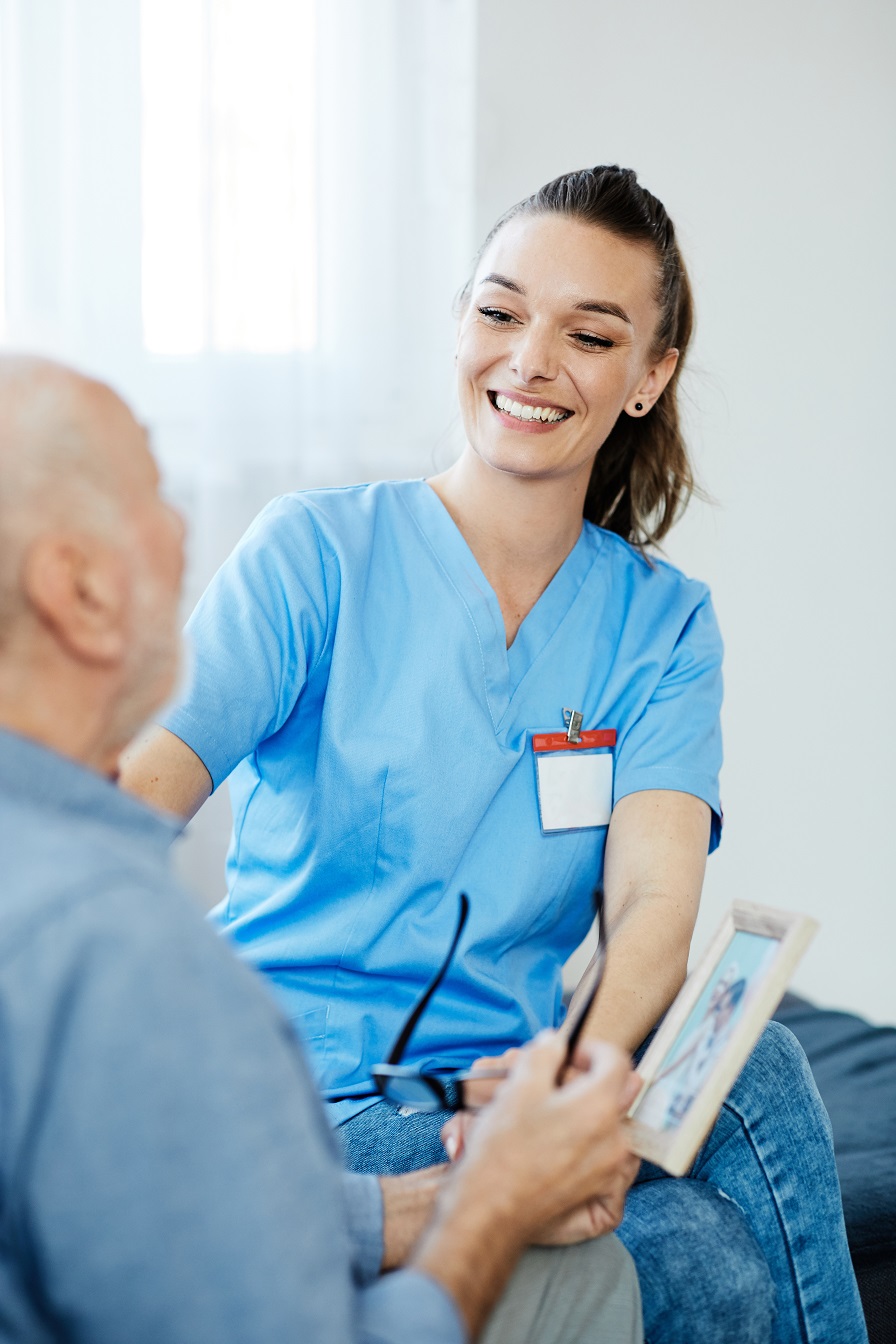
382 672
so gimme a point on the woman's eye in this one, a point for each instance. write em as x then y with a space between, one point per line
592 342
497 315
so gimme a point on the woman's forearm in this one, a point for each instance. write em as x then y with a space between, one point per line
646 966
653 875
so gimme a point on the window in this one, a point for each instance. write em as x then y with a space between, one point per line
229 199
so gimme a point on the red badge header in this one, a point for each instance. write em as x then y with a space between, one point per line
597 737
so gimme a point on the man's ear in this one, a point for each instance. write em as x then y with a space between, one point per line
652 385
78 589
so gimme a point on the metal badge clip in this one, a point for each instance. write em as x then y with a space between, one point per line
573 720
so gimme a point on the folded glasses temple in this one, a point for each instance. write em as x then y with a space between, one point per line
575 1027
600 956
404 1036
406 1032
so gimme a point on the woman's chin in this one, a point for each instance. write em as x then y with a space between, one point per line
531 461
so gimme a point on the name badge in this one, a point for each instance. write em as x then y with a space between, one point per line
574 779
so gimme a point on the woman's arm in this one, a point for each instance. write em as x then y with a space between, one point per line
653 874
163 771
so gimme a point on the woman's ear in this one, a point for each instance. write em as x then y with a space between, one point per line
651 386
78 589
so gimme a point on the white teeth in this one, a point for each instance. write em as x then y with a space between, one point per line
547 414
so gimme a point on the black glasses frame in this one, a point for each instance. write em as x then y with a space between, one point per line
407 1085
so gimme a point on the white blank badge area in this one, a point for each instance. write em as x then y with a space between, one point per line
575 789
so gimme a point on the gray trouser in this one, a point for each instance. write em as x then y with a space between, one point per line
584 1294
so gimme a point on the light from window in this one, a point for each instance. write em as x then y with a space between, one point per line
229 198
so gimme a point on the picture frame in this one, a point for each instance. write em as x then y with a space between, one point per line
706 1037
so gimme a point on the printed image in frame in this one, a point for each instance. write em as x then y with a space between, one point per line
708 1033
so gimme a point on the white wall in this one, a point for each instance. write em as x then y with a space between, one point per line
768 131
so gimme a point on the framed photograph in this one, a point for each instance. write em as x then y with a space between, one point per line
705 1038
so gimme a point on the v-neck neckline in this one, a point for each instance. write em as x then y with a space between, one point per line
505 668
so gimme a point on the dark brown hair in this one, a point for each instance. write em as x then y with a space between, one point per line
642 478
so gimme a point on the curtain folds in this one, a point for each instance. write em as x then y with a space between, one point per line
394 145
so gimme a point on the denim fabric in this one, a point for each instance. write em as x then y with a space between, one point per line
388 1142
761 1206
773 1120
702 1274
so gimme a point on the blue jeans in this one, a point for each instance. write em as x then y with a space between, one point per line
749 1248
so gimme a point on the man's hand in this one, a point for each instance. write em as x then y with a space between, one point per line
592 1219
408 1205
534 1157
552 1148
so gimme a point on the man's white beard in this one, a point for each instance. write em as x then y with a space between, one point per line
183 682
153 663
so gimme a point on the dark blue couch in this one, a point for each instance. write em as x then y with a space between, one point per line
854 1065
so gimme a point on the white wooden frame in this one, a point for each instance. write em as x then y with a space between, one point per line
674 1149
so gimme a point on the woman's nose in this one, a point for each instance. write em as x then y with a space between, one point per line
534 355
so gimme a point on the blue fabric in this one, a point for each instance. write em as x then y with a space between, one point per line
751 1247
390 1141
854 1066
167 1175
703 1278
351 672
771 1152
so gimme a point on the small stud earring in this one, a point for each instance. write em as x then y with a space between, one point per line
639 405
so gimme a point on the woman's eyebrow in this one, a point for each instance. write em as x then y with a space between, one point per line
588 306
494 279
611 309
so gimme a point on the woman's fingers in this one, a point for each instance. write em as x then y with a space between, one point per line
477 1094
630 1091
454 1134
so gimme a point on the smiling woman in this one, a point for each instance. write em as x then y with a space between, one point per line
605 296
385 673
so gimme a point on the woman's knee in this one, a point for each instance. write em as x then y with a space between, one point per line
778 1069
703 1276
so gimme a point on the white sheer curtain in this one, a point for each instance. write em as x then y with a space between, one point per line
393 182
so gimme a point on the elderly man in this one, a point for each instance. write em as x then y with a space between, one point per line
166 1172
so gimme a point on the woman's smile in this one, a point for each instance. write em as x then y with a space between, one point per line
529 415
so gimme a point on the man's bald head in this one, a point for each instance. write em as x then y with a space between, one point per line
91 560
59 462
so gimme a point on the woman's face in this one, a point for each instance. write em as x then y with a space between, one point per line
555 343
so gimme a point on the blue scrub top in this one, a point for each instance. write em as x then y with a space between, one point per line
352 680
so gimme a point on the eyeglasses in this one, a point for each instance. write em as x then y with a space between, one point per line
406 1085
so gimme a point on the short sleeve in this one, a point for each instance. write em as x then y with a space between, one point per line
255 635
676 742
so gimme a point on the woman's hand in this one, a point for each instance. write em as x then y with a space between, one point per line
478 1094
